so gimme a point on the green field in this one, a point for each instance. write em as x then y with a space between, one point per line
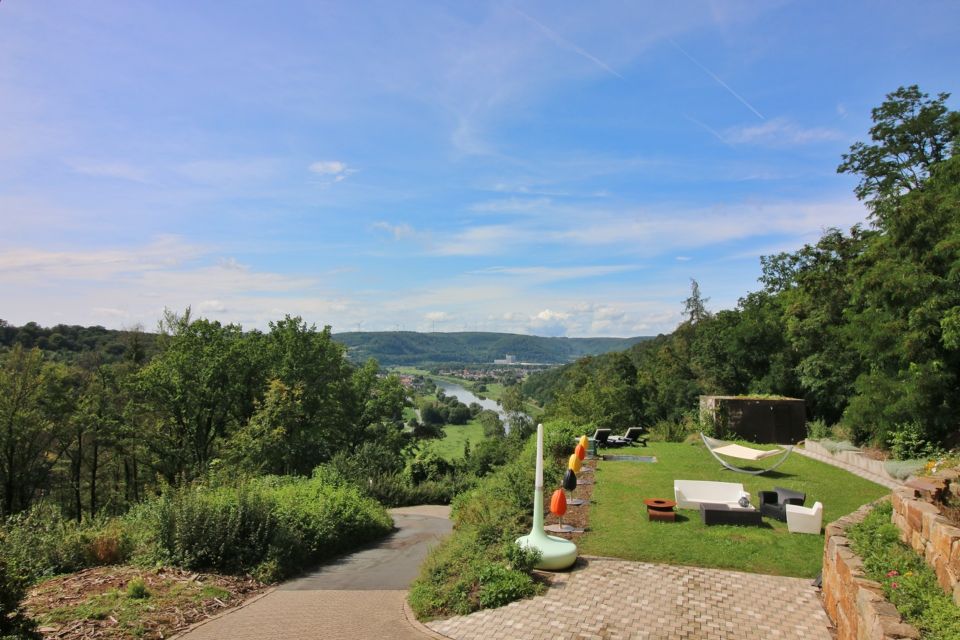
456 436
619 525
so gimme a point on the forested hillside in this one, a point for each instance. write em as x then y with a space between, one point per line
411 348
864 324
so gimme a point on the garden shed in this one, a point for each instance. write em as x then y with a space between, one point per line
756 418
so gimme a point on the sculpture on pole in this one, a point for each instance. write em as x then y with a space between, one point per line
555 553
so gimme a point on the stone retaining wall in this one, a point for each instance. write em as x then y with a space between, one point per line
855 604
854 458
916 512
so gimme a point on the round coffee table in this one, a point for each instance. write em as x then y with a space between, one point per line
660 509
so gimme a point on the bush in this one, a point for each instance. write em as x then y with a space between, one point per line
903 469
137 589
668 431
41 542
227 529
271 526
835 447
907 581
818 430
908 441
13 623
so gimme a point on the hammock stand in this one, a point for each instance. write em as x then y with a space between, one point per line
719 447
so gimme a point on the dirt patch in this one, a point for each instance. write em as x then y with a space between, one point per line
873 453
97 602
578 517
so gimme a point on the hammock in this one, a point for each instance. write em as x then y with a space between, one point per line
719 448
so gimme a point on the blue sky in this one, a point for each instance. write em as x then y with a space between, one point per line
555 168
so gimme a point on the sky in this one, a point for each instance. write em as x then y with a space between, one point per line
551 168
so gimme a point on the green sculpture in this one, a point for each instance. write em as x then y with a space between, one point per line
555 553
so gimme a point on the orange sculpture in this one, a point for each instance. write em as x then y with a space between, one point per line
558 503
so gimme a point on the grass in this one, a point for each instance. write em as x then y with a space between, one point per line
619 525
454 439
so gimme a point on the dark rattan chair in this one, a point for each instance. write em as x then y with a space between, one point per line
773 504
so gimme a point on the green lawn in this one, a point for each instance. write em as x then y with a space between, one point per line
455 437
619 525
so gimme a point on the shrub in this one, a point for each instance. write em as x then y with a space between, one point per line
41 542
907 581
903 469
835 447
13 623
668 431
908 441
137 589
271 526
818 430
227 529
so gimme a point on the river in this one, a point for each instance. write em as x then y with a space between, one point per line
466 397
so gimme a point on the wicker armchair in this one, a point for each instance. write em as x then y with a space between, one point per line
773 504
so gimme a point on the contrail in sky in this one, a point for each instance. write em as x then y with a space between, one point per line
556 37
721 82
708 129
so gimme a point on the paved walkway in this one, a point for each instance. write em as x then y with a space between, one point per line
610 599
883 481
358 597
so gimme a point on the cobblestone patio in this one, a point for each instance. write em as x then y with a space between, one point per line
610 599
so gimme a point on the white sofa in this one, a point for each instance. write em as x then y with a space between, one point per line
805 519
689 494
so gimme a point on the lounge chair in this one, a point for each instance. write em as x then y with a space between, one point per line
600 437
805 519
719 447
634 435
773 503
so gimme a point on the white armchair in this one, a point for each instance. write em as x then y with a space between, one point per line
805 519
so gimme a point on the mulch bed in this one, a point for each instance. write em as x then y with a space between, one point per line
177 600
578 517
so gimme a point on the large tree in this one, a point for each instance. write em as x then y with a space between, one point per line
36 402
203 384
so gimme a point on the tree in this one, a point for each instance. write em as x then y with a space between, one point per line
491 423
35 404
913 133
695 307
203 385
815 286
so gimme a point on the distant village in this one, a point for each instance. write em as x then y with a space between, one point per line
506 370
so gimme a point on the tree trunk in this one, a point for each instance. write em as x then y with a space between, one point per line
94 463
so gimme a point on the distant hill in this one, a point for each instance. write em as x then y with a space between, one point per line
412 348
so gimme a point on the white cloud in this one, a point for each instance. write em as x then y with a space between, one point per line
118 170
512 205
780 132
398 231
334 170
551 274
212 306
484 240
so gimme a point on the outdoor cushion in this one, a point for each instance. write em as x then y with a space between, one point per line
690 493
